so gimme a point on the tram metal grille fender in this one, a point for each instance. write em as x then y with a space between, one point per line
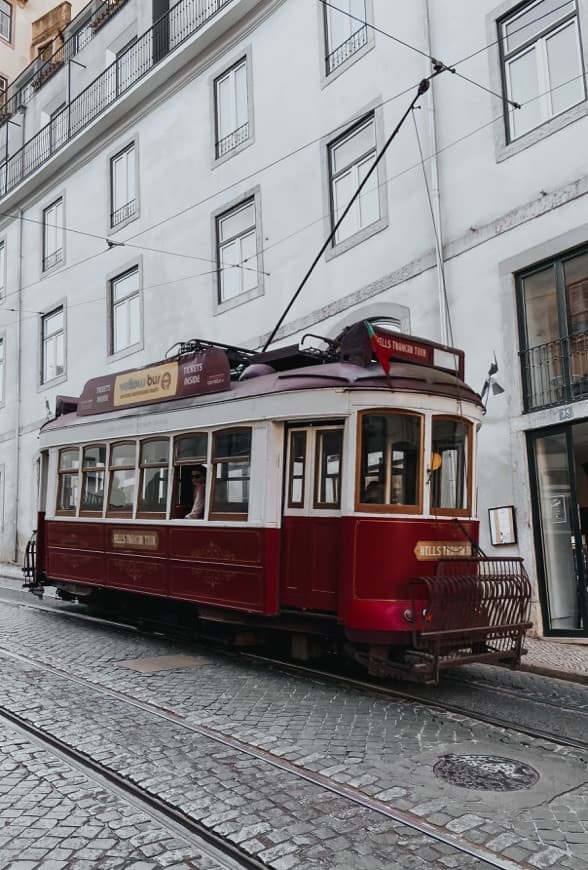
477 609
29 568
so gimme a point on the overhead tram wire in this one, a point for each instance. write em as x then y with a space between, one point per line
423 87
435 230
438 66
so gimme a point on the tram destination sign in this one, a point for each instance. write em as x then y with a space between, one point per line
193 375
430 551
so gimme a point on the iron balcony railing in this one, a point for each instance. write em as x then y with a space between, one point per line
556 372
52 259
180 22
228 143
348 48
126 211
41 70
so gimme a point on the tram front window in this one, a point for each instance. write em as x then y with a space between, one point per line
122 479
68 484
448 474
390 459
231 451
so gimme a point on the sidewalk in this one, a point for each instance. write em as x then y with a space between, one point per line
552 658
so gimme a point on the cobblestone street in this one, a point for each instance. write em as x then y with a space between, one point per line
54 817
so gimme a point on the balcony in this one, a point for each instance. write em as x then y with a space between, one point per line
555 373
151 48
348 48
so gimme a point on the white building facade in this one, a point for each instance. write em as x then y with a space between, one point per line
177 173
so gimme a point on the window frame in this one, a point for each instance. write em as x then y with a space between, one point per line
3 268
60 474
130 153
538 44
241 142
178 464
318 433
84 469
144 466
3 89
329 144
365 507
468 468
2 368
10 16
329 72
251 198
297 505
112 468
214 461
44 380
55 258
112 281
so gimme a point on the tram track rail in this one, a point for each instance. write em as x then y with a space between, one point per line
459 844
226 855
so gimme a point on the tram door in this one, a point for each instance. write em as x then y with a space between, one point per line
311 521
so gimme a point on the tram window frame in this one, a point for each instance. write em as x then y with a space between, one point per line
292 503
222 460
87 469
61 474
318 478
468 466
389 507
142 467
182 474
122 514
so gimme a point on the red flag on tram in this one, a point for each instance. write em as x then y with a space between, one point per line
382 353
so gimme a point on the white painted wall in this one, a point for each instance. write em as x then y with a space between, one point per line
497 206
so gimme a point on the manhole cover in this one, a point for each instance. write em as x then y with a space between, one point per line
485 772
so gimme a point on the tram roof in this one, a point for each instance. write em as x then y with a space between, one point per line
403 377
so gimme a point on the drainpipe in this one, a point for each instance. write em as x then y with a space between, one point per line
435 190
18 411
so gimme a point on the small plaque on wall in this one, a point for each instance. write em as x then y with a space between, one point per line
503 529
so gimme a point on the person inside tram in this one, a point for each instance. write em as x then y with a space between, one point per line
198 492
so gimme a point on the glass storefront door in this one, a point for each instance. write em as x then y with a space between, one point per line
560 460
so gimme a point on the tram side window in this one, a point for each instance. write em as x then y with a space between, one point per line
329 444
449 465
390 460
189 459
231 464
68 482
154 477
297 469
122 479
93 477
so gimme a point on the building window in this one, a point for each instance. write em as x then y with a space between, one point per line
553 322
5 20
345 34
122 186
350 158
236 237
125 311
1 371
3 89
542 63
2 270
53 235
231 109
53 345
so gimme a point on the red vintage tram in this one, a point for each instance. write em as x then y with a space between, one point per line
337 506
